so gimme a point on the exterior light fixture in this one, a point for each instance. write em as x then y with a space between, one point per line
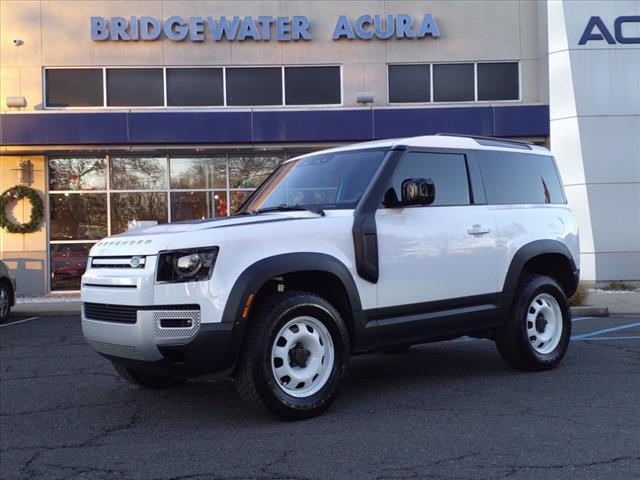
365 97
16 102
25 172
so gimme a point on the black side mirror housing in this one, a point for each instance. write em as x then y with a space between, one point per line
415 191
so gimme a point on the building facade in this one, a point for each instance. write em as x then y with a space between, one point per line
120 113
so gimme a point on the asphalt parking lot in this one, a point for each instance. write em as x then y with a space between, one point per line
452 410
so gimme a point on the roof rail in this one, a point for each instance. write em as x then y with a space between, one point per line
494 141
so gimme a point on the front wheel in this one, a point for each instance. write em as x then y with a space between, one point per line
537 333
5 301
295 356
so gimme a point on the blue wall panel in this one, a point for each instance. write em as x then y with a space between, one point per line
312 125
190 127
266 126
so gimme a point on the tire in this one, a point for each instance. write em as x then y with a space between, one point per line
5 301
275 374
147 380
531 339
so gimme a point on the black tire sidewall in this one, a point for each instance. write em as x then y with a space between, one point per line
534 287
271 393
8 292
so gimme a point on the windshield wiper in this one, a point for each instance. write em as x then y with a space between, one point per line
289 208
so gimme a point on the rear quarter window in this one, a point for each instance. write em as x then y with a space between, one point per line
519 178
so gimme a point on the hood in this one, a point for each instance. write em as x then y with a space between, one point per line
151 240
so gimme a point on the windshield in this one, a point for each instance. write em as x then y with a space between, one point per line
323 181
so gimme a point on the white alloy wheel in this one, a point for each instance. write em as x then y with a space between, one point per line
302 356
4 302
544 323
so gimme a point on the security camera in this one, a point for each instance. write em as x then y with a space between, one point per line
17 42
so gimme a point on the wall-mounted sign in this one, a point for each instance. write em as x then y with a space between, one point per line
596 29
262 28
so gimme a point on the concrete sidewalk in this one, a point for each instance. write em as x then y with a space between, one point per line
618 302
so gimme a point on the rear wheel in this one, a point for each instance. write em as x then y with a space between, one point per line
295 356
147 380
537 333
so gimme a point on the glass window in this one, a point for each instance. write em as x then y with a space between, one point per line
447 170
254 86
330 180
76 216
249 171
237 199
409 83
312 85
138 206
194 87
198 205
453 82
79 87
68 263
77 174
189 173
139 87
138 173
498 81
519 178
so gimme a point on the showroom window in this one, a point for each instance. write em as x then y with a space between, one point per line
93 197
80 87
453 82
193 86
135 87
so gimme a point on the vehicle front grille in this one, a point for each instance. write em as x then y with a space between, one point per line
118 262
111 313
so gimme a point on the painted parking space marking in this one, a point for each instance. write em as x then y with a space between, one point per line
622 337
605 330
19 321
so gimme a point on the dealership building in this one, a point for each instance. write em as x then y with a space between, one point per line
121 113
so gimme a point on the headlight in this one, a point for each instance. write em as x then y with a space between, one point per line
191 265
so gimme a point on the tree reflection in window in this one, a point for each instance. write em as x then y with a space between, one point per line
77 174
140 206
187 173
76 216
138 173
248 171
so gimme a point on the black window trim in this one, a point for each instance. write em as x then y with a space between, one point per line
165 105
475 82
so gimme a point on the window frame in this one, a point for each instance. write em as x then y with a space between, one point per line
474 180
165 105
475 83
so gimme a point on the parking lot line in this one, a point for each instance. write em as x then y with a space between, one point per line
19 321
623 337
605 330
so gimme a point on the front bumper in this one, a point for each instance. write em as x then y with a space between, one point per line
139 341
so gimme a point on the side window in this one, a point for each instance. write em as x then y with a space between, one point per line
519 178
447 170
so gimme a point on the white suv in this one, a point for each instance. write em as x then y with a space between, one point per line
379 245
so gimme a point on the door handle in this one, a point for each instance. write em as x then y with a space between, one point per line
478 230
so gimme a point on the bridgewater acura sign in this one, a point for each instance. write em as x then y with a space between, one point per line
262 28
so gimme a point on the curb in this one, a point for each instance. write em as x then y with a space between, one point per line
590 311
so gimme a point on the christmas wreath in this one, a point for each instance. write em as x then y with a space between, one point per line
37 209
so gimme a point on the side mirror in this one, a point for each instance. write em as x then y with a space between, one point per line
415 191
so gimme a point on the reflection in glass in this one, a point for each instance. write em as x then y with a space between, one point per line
140 206
198 205
77 174
237 199
138 173
76 216
68 263
248 171
189 173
